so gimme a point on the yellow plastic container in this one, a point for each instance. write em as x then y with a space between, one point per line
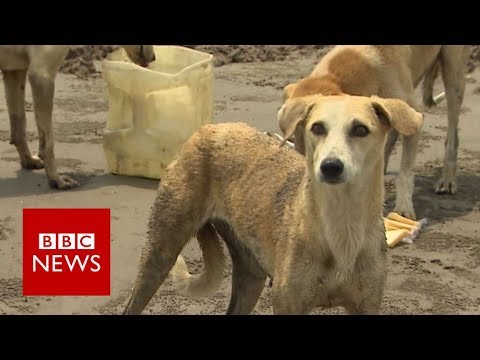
153 111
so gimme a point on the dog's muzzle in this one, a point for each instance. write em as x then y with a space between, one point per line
145 57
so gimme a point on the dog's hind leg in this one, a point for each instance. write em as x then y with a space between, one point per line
180 210
453 67
14 82
171 226
248 277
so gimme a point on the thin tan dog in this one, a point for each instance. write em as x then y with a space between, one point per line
394 71
315 227
41 63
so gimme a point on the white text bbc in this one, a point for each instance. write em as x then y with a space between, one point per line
66 241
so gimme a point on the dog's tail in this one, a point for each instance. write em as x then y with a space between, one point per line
428 82
210 279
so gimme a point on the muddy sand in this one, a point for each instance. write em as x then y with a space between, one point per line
438 274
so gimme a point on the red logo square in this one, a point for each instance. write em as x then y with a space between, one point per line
66 252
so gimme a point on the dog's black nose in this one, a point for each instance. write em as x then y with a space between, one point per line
331 168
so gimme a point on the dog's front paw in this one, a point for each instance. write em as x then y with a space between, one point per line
63 182
405 211
33 163
446 186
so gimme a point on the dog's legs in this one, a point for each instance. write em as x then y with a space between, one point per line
41 143
44 65
389 145
247 286
372 284
282 307
177 214
406 176
166 240
248 277
294 292
14 82
157 260
43 89
405 180
367 308
454 80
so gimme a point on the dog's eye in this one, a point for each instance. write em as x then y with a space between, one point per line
318 129
359 131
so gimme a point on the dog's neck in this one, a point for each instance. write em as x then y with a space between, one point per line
347 213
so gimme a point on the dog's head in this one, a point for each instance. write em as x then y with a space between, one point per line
342 136
140 54
325 85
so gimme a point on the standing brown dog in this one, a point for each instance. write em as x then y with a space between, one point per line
41 63
315 227
394 71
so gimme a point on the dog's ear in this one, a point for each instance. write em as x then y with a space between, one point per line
288 91
291 120
397 114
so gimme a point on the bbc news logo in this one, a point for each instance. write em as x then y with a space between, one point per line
66 252
57 263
